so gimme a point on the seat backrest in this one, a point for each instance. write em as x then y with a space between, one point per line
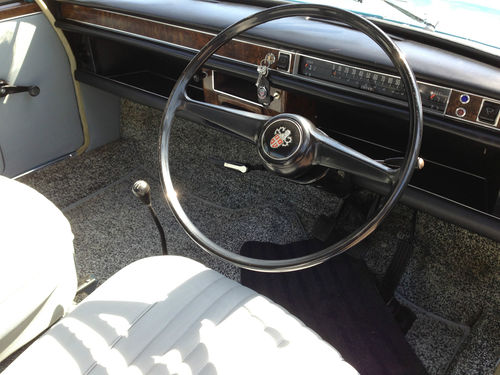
37 269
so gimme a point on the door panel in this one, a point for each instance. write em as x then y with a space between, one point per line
35 130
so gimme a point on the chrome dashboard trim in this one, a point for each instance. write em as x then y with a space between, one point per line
327 83
128 33
212 87
292 61
174 44
386 98
275 104
294 72
296 60
46 164
480 122
477 121
21 16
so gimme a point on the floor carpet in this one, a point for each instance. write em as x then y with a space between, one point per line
451 283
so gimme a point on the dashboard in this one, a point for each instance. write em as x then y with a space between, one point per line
442 100
329 73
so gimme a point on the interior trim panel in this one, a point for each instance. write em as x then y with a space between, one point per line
435 98
175 35
124 52
16 9
430 64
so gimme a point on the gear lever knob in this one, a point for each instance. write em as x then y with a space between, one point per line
142 191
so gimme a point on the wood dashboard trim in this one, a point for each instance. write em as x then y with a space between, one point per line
16 9
236 49
472 107
173 34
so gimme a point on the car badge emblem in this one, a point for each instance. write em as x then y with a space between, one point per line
281 137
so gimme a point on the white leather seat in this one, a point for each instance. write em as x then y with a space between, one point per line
172 315
37 268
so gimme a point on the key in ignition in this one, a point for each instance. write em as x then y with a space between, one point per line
263 90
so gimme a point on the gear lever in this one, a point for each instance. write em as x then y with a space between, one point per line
142 190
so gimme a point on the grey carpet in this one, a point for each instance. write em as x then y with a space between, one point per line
435 340
481 351
193 172
70 180
451 282
454 277
456 274
112 229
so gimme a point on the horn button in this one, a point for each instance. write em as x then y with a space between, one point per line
285 145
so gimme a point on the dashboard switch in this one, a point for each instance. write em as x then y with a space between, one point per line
283 61
464 98
460 112
489 112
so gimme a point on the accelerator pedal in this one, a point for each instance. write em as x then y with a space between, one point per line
387 287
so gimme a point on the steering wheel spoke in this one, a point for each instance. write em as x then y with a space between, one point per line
235 121
333 154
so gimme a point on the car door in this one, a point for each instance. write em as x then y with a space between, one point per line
45 125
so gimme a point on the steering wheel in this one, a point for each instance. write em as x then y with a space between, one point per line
308 146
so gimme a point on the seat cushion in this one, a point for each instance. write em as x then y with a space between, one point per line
37 268
169 314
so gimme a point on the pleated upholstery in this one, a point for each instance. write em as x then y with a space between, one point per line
37 269
171 315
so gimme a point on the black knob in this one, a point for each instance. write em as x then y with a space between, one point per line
142 191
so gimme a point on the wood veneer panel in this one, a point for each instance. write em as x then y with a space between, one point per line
472 107
177 35
301 105
17 9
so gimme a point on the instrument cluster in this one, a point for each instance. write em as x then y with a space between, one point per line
437 99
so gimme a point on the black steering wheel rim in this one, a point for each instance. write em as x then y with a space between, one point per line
177 99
